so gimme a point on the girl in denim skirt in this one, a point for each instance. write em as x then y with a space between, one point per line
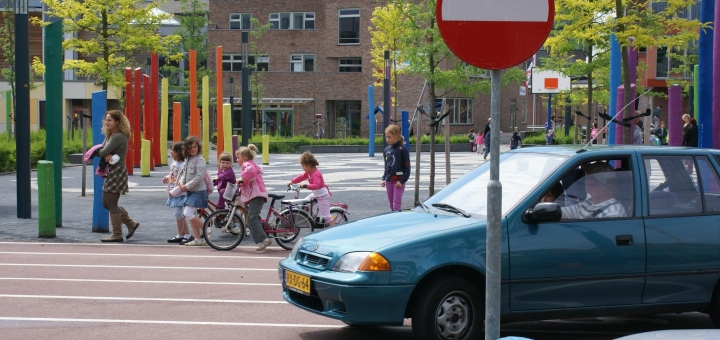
177 203
192 183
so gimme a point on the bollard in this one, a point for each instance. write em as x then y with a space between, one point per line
46 199
266 149
145 158
227 125
206 116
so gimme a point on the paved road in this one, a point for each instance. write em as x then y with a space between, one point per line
126 291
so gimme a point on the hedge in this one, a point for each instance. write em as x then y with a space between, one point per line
37 149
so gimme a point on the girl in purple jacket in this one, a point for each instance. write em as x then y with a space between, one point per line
225 175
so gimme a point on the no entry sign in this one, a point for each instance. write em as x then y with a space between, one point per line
494 34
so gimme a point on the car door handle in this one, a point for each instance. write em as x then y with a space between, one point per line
623 240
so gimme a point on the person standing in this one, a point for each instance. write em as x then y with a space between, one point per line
661 133
515 140
177 202
397 167
638 133
486 139
594 133
690 132
192 183
656 115
117 132
252 193
471 138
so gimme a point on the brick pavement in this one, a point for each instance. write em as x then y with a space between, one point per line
353 179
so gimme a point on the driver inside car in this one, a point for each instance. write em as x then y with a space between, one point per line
600 183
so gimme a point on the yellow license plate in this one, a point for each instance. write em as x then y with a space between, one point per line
297 282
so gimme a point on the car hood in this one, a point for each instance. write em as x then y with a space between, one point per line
378 232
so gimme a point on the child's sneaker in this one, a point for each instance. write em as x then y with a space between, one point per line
264 244
196 242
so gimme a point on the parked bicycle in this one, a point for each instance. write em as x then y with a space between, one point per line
224 229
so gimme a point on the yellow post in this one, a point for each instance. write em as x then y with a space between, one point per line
206 116
145 158
266 149
228 128
164 123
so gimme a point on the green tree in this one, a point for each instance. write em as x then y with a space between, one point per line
121 29
257 74
428 57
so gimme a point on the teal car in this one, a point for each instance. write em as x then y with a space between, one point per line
596 232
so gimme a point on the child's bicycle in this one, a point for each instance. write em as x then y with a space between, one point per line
225 228
338 211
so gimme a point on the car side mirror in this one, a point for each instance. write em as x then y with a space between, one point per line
542 212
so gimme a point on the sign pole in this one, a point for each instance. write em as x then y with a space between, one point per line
494 223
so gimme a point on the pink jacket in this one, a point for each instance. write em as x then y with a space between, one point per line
316 183
480 139
253 184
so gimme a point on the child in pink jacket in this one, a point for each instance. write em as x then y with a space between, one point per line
252 193
480 141
316 183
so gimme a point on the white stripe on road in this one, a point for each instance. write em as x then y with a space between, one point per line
146 255
140 281
168 322
495 10
128 267
68 297
16 243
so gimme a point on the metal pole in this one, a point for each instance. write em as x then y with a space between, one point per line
246 95
22 108
494 226
418 142
371 122
386 98
447 142
84 148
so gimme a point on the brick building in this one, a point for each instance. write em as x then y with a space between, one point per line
317 62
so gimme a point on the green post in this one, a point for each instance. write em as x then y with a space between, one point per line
696 94
54 108
8 109
46 199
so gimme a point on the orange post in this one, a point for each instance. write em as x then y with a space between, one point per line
220 144
177 119
194 115
129 158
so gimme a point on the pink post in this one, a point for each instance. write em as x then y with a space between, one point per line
618 108
675 122
716 82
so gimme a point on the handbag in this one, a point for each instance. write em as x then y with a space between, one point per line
209 183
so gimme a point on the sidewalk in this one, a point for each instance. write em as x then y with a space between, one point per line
353 179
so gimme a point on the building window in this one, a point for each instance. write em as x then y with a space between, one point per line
302 62
240 21
460 111
293 21
351 65
233 62
349 26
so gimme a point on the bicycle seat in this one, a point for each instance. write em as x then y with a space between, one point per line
299 201
276 196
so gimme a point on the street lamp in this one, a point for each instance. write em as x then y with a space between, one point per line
22 108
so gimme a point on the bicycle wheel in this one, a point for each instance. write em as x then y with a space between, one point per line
298 224
222 234
338 215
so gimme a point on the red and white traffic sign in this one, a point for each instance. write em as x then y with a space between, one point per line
494 34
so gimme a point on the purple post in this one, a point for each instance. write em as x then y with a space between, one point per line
716 84
632 56
618 108
675 122
234 147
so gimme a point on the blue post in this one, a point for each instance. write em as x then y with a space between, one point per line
405 129
371 118
614 83
100 215
705 81
549 114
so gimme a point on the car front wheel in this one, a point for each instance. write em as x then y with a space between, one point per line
449 308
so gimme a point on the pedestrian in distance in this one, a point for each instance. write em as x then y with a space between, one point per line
397 167
550 137
176 203
486 139
252 193
316 183
594 133
690 131
661 133
225 175
479 142
117 133
192 183
638 133
515 140
656 115
471 138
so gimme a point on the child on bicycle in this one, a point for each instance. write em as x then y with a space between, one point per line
316 183
252 193
177 202
225 175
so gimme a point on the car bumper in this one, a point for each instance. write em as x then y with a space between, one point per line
350 303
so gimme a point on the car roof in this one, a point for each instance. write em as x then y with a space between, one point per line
572 149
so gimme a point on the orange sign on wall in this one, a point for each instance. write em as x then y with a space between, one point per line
551 83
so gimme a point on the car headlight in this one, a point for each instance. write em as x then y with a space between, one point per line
293 252
361 261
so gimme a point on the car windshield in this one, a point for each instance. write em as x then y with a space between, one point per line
520 173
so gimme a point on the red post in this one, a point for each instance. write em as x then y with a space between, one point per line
136 117
177 120
159 151
220 143
147 115
129 158
194 116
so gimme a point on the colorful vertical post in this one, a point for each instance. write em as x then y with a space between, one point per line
705 81
8 109
234 146
130 156
147 114
226 124
266 150
158 149
136 117
164 121
177 120
54 112
206 116
194 117
46 198
716 81
219 101
145 163
615 66
405 128
696 93
100 214
675 122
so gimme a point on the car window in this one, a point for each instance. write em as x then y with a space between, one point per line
596 189
710 184
672 185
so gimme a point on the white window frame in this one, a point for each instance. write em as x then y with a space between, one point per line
239 20
236 60
299 59
348 15
307 17
454 116
343 64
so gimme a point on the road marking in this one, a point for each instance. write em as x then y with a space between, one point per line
212 323
141 281
270 248
129 267
147 255
67 297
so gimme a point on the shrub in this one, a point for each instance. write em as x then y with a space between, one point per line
8 161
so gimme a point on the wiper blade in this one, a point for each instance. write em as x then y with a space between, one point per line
450 208
424 206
